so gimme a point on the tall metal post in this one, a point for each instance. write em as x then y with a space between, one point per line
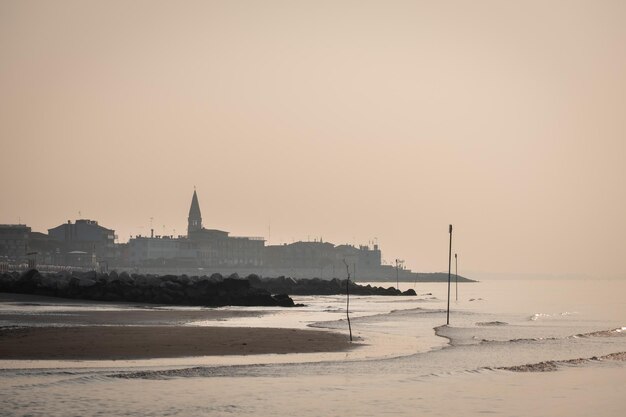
397 279
449 270
348 298
456 276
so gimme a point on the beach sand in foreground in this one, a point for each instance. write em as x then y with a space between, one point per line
142 342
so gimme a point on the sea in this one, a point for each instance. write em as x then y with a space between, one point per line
512 348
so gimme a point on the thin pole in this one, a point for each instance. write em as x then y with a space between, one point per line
456 276
397 280
449 269
348 299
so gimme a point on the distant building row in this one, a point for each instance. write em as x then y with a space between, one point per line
82 244
86 244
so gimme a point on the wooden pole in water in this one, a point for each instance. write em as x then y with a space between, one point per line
348 298
456 276
397 279
449 270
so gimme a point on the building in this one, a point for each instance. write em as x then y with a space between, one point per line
321 259
302 255
201 248
86 244
155 251
363 256
45 250
194 220
20 245
14 242
85 236
213 250
81 259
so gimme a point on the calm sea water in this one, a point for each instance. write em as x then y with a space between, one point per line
402 366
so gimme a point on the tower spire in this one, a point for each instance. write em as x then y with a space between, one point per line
194 221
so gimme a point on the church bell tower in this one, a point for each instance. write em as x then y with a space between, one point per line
194 221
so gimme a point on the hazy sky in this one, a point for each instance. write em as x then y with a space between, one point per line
346 120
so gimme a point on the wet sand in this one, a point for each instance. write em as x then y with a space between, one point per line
35 310
48 328
141 342
148 317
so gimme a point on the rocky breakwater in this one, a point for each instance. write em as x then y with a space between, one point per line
317 286
165 289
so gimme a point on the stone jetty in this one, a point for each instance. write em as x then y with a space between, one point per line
214 290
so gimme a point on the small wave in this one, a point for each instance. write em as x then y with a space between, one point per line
492 323
199 371
419 310
196 372
519 340
617 356
538 316
550 366
619 332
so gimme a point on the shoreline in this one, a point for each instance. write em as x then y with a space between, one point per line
19 311
153 342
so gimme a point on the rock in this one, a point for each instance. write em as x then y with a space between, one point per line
184 280
49 282
62 282
171 285
317 286
7 282
89 275
172 278
234 285
255 280
283 300
125 277
86 282
28 282
113 275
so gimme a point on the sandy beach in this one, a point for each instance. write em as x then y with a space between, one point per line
62 329
142 342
